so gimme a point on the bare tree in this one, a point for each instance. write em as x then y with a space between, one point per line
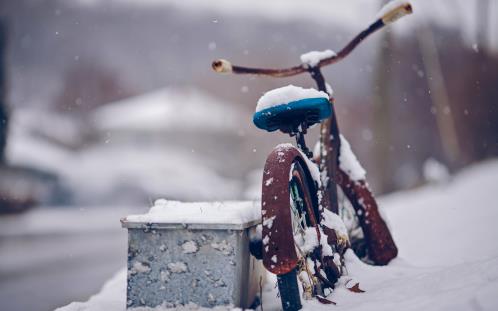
4 113
87 86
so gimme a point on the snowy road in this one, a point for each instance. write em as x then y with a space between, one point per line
50 257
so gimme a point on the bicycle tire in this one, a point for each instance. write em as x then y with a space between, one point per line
289 291
305 202
376 245
351 221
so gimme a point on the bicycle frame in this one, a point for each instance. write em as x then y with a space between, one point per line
329 138
382 248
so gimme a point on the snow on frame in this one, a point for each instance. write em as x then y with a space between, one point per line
449 263
229 212
287 94
349 163
314 57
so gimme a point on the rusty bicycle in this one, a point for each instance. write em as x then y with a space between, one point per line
305 231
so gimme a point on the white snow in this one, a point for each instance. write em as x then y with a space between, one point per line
326 248
168 109
348 162
177 267
333 221
266 240
329 89
223 247
229 212
112 296
309 241
314 57
435 171
139 267
448 257
256 233
268 222
190 247
313 169
287 94
269 181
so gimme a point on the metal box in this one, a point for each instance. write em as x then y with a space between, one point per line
207 264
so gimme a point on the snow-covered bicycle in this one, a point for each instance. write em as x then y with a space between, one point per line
305 231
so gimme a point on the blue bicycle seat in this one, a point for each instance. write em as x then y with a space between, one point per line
287 117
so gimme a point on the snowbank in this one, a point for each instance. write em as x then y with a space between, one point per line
448 254
168 109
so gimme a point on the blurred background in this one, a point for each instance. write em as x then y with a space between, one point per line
108 105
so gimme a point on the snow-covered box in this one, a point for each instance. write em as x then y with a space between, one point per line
181 253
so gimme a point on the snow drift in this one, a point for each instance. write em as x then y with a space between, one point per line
448 257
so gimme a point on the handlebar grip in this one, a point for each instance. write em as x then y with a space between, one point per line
397 12
222 66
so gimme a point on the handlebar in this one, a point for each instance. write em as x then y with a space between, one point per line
400 10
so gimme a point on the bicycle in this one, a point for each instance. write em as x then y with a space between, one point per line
303 231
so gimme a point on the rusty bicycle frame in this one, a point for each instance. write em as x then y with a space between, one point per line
380 244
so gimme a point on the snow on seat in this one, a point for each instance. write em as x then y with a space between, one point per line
288 107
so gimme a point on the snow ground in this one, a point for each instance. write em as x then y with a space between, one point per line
448 258
168 109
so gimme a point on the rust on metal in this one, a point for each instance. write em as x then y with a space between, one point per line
330 146
332 272
324 300
279 252
380 243
295 70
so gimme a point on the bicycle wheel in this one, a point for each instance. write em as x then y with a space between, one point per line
352 223
303 207
375 244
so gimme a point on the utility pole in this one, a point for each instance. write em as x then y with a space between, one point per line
4 113
482 19
439 96
382 113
